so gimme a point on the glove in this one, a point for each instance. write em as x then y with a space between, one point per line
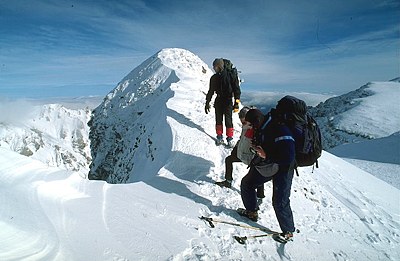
207 107
236 105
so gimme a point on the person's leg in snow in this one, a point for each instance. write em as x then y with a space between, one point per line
282 184
219 129
249 184
227 111
229 169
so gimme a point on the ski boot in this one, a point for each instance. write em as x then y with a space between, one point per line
219 141
283 237
229 142
252 215
224 183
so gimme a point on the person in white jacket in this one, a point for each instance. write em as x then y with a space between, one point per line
241 153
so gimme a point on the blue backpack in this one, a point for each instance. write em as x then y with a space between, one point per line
307 135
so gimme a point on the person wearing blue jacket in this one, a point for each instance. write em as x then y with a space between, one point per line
275 160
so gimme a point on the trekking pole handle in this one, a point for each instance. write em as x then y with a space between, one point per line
241 240
209 220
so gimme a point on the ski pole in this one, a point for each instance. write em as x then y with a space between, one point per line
242 240
211 220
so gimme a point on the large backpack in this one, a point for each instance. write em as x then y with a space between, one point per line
307 135
230 80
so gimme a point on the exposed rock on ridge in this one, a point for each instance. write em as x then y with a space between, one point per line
130 125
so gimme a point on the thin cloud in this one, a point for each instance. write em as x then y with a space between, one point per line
15 112
276 44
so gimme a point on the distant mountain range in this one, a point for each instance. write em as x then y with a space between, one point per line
51 133
366 113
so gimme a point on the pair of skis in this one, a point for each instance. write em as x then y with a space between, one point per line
239 239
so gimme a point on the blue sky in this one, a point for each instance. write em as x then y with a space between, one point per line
79 48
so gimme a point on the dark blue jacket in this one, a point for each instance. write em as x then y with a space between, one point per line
278 143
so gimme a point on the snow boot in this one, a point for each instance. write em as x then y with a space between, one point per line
259 201
224 183
219 141
283 237
229 142
252 215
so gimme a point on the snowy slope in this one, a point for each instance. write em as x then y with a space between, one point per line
366 113
380 157
342 212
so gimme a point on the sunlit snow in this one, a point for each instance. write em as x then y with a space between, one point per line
50 211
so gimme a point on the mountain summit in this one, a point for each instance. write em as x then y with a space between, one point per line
130 130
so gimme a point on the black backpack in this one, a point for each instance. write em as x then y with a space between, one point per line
307 135
230 80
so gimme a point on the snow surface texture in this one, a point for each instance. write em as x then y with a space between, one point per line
380 157
48 213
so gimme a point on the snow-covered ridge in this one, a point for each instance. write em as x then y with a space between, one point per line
395 79
52 134
366 113
152 78
129 126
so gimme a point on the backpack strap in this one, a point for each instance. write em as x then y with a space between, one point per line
266 122
262 137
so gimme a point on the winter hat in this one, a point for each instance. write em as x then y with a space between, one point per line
243 112
219 62
255 117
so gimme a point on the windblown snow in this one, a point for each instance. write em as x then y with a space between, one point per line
153 138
